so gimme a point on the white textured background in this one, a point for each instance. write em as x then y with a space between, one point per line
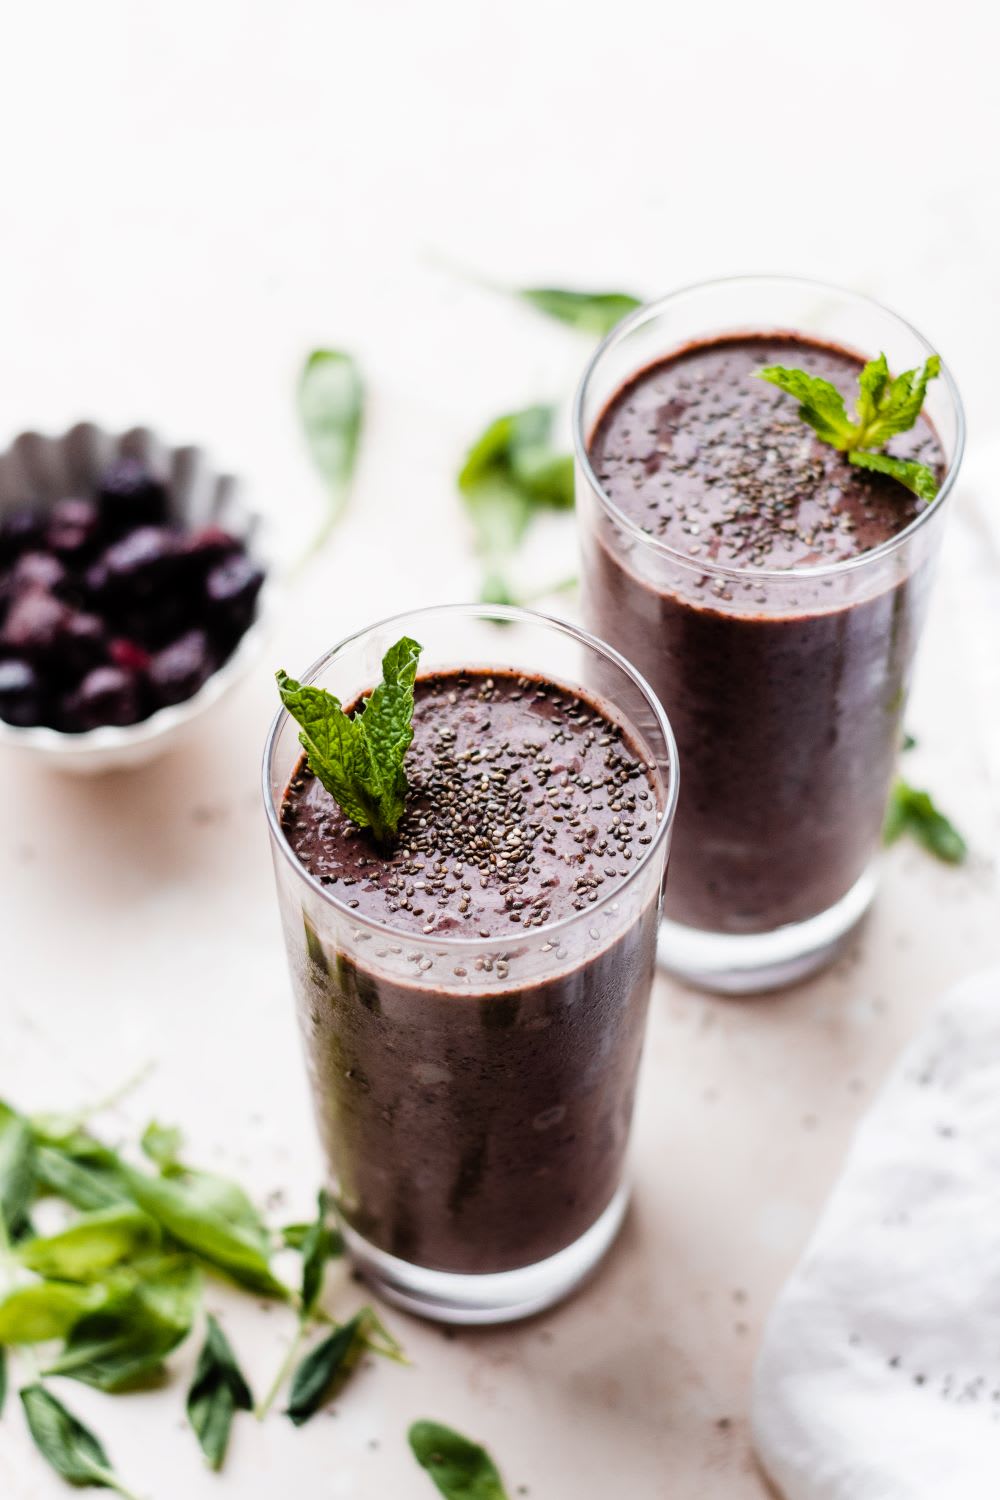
192 196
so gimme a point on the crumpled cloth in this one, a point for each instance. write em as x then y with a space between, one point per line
878 1377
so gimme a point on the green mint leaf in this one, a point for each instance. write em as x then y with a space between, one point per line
217 1392
18 1168
359 759
209 1217
820 403
331 405
325 1368
917 477
511 473
885 406
162 1144
590 312
911 811
43 1310
909 741
461 1469
71 1449
320 1243
124 1343
92 1245
85 1173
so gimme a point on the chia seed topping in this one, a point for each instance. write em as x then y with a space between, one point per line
527 804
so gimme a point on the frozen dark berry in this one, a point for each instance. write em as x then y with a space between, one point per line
36 570
129 654
131 496
34 624
20 531
204 548
178 671
73 525
232 588
82 644
137 563
107 695
20 693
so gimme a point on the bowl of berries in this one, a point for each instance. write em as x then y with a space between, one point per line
133 594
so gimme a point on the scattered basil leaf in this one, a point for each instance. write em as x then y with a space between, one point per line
81 1170
885 406
124 1343
71 1449
320 1244
331 406
913 812
293 1235
18 1166
211 1223
590 312
359 758
326 1367
461 1469
43 1310
162 1144
510 473
217 1392
92 1245
909 741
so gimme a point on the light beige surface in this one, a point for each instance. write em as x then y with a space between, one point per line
197 196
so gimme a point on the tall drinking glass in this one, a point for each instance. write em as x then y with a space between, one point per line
785 686
474 1093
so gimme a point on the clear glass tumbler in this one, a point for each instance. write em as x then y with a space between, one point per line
474 1095
785 688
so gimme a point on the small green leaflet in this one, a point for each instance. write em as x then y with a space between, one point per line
88 1182
359 758
124 1342
217 1392
885 406
162 1144
461 1469
319 1244
43 1310
510 473
327 1365
912 811
590 312
71 1449
92 1244
331 405
18 1166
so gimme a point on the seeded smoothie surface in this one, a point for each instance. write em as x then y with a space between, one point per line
527 805
719 466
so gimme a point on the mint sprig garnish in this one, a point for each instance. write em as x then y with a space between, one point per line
359 758
885 405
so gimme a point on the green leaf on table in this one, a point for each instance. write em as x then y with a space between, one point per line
885 406
162 1144
590 312
325 1368
461 1469
331 405
914 812
210 1217
92 1245
18 1167
217 1392
43 1310
82 1170
359 757
71 1449
124 1343
320 1243
510 474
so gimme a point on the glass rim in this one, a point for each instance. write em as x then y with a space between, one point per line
647 313
512 614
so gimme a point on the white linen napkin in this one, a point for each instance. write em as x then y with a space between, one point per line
879 1373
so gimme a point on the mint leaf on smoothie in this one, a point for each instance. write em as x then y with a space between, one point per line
590 312
914 812
510 473
359 758
331 406
885 406
461 1469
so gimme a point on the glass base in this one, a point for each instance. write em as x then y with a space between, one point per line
738 965
449 1297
